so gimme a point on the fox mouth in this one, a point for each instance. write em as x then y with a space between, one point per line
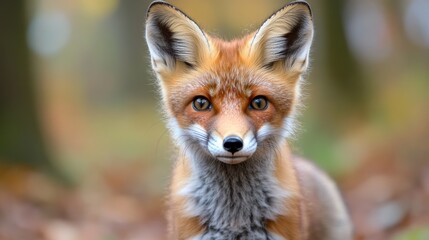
232 159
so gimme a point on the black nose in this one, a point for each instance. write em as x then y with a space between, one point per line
232 144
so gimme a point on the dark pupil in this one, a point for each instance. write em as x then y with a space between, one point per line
258 103
201 103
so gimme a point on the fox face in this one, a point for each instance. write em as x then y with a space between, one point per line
229 100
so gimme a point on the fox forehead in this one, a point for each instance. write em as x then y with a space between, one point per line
226 66
229 74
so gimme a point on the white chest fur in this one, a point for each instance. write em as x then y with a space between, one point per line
234 201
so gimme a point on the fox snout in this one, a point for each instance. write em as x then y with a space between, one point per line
233 148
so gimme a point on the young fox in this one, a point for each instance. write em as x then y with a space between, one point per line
230 107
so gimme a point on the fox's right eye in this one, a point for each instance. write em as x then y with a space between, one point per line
201 103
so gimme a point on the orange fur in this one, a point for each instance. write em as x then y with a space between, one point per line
295 217
182 226
229 74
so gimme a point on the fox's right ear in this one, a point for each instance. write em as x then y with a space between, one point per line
173 38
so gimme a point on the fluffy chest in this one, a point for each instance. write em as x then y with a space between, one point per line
234 202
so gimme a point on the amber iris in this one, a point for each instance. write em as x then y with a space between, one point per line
259 103
201 103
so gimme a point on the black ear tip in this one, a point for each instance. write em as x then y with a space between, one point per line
302 3
157 3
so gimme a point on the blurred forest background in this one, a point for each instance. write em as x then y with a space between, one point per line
83 149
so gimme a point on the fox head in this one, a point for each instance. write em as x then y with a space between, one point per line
229 100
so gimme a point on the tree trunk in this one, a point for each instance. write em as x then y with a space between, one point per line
21 140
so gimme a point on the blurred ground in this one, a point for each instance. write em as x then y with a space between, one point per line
34 207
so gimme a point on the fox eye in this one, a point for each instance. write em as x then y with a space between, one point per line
201 103
259 103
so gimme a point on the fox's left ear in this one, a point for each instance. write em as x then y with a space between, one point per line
284 38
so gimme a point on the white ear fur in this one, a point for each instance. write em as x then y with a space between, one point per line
285 37
172 36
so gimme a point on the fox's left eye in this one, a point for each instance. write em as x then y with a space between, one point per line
201 103
259 103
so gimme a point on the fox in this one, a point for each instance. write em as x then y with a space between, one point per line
231 109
